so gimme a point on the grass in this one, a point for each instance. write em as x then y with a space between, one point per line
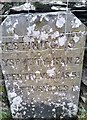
5 115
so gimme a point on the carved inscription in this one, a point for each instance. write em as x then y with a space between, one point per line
35 76
38 65
39 61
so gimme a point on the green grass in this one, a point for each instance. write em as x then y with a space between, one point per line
5 115
2 89
82 114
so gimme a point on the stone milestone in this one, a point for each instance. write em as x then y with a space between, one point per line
42 58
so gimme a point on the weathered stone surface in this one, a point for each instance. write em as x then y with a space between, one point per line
42 57
54 1
26 6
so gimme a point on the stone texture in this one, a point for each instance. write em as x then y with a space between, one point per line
44 1
42 58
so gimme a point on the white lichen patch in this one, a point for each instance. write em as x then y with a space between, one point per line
12 27
60 22
57 2
76 38
34 18
3 71
76 23
37 72
26 39
33 109
42 17
46 18
16 103
8 23
76 88
36 34
70 105
75 109
15 24
55 8
57 105
52 63
28 6
24 113
17 115
62 94
51 72
62 40
55 35
54 110
12 94
16 84
16 36
43 36
10 30
30 29
72 109
56 93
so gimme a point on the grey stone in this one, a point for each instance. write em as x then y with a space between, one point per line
1 6
42 58
44 1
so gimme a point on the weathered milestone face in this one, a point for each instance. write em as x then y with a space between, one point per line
42 55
